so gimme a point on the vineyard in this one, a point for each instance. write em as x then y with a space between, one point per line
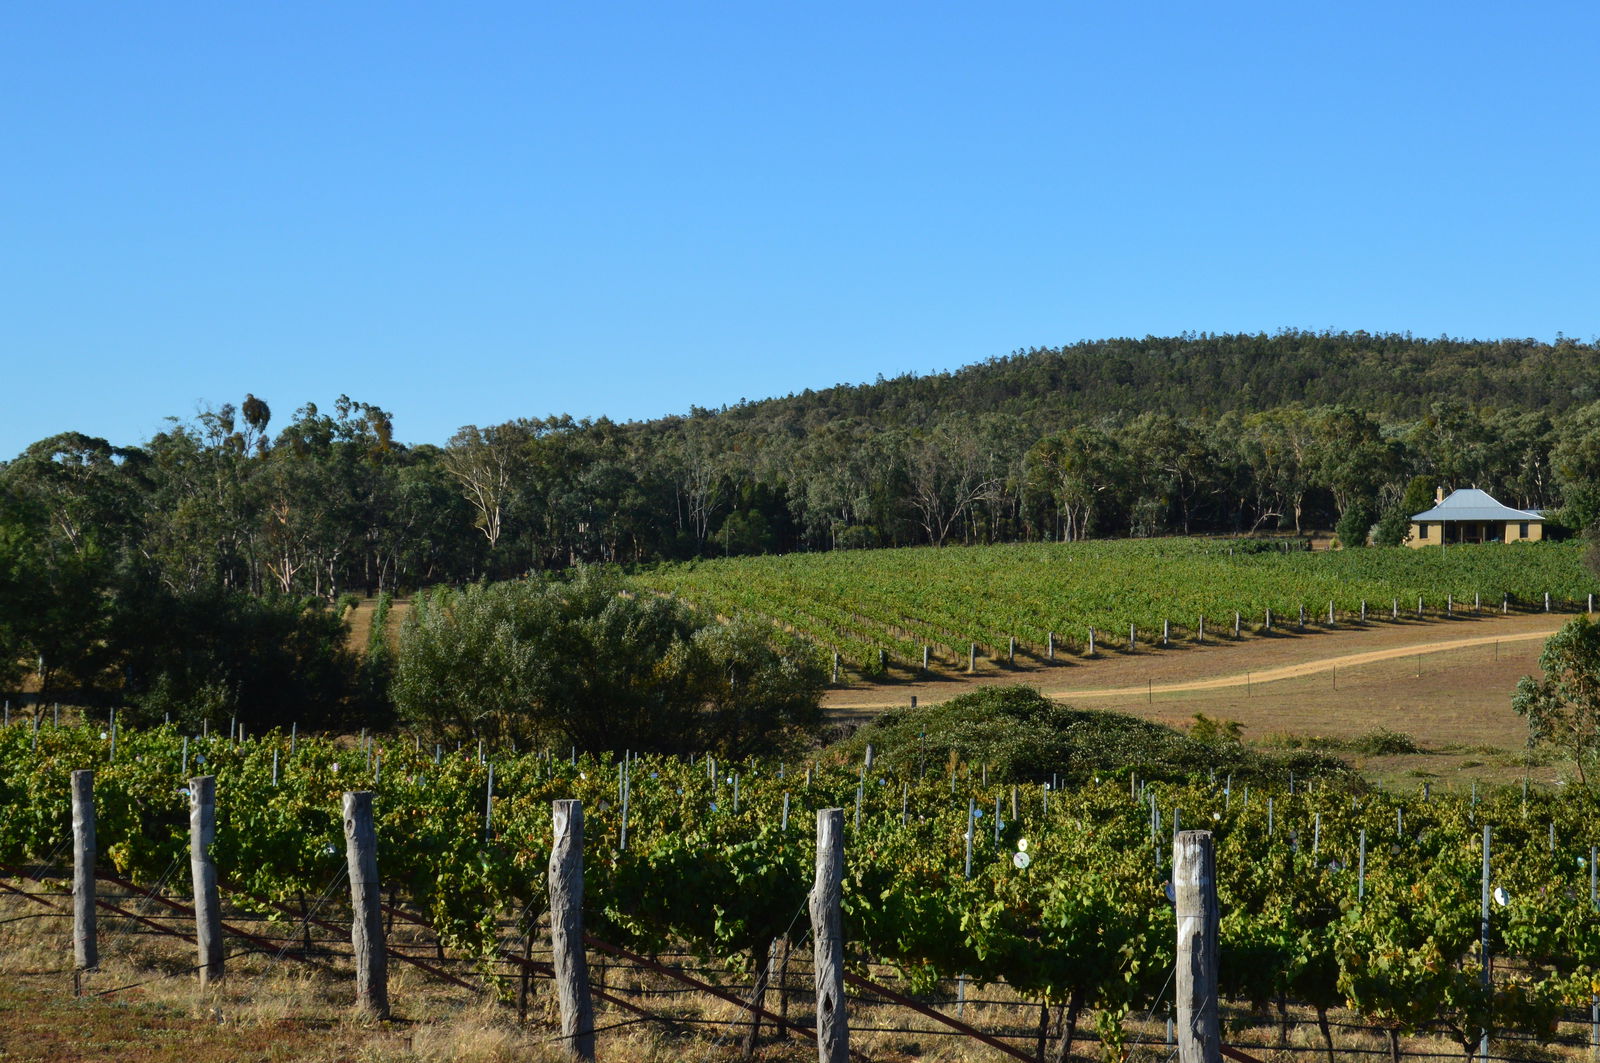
1361 906
879 609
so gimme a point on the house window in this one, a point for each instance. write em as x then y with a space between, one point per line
1522 529
1422 531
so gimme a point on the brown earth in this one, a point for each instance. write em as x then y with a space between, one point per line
1446 683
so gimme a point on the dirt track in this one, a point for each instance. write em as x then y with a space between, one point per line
1250 663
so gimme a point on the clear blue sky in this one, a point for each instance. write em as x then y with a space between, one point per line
471 212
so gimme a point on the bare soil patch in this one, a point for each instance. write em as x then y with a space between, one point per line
1446 683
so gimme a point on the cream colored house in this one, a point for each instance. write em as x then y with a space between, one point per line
1473 516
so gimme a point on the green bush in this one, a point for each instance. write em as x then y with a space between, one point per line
1383 742
1354 525
583 662
1024 736
210 655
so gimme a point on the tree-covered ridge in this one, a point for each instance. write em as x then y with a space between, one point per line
1116 438
1393 376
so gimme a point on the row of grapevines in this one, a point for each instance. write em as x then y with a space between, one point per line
1329 896
897 601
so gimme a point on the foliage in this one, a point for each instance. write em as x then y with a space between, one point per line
1382 742
1354 525
898 601
1215 731
270 661
1563 707
580 662
1018 734
719 857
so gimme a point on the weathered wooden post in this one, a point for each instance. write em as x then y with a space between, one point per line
1050 641
972 657
833 1028
1011 650
366 922
925 659
1091 643
85 949
203 873
566 929
1194 883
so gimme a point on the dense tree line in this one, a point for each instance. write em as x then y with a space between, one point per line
1196 433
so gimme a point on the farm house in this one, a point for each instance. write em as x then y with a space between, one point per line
1473 516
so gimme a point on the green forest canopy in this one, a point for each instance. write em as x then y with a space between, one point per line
1197 433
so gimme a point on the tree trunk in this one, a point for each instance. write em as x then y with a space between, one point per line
1327 1032
783 987
1069 1025
761 961
1283 1022
1044 1029
1394 1044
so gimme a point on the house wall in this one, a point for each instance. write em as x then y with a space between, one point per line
1510 532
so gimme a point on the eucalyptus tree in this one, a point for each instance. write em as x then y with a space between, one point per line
486 463
1081 469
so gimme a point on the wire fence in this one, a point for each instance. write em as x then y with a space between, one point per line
684 992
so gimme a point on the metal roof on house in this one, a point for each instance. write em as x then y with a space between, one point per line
1471 504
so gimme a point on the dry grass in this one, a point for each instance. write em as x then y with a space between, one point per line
1456 702
270 1011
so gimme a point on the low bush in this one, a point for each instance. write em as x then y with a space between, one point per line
1024 736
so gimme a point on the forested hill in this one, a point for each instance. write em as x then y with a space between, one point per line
1393 377
1212 434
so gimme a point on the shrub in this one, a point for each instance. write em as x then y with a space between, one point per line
579 661
1024 736
1383 742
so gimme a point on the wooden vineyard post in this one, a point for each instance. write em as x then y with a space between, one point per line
972 657
85 949
1050 639
1011 651
366 921
566 929
925 660
833 1028
1091 643
203 873
1194 883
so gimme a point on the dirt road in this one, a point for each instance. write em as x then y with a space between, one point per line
1251 662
